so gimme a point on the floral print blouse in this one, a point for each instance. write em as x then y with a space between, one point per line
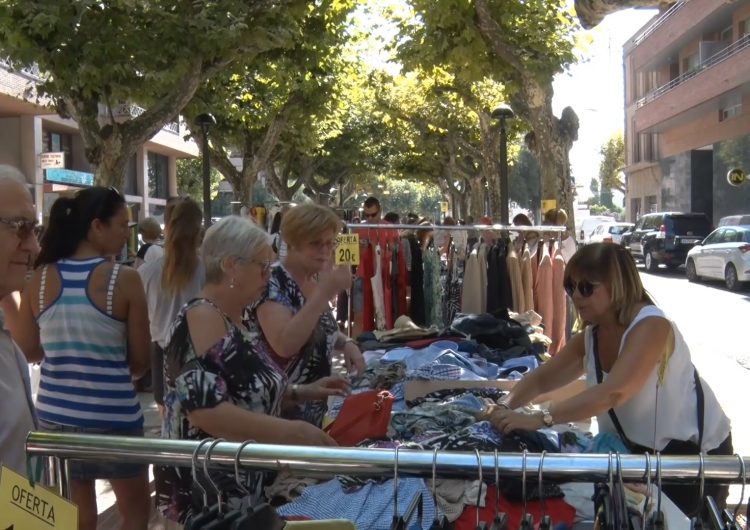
237 369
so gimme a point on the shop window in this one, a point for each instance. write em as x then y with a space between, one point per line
743 28
158 175
55 142
651 204
130 183
690 63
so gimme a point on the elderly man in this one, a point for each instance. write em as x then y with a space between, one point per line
18 249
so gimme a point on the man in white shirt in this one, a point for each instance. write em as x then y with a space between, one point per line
18 250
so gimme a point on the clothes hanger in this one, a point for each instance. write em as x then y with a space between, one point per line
222 520
657 518
646 503
546 522
261 516
501 518
730 518
527 521
397 522
696 523
439 522
481 525
195 521
626 517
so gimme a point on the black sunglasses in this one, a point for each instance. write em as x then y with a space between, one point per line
23 228
372 215
585 287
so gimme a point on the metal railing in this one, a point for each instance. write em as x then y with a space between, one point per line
32 73
638 39
733 49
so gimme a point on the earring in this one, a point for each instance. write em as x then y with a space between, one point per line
231 283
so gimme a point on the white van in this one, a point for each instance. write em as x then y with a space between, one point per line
588 224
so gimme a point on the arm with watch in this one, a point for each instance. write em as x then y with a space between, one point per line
353 357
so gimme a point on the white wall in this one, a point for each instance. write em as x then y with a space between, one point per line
10 141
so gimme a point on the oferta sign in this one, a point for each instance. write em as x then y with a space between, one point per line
27 507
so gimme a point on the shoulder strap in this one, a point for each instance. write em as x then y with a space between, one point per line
42 288
701 406
111 287
599 379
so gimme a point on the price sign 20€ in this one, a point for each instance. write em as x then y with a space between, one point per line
347 249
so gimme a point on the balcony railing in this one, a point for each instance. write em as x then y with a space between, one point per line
730 51
31 73
638 39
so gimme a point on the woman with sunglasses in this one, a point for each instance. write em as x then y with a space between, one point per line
85 318
220 380
294 315
641 383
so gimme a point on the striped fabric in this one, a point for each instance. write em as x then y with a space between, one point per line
85 377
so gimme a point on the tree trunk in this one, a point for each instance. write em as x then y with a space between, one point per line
476 198
592 12
550 142
490 164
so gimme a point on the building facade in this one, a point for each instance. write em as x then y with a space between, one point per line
29 127
687 110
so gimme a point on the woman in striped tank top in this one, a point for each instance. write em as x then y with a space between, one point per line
85 318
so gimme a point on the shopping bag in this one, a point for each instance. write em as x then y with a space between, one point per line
362 416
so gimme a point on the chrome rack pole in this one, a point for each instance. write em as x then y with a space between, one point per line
327 461
388 226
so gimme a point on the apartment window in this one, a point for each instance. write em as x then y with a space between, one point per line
158 175
743 28
646 147
690 63
635 209
55 142
732 108
726 35
651 205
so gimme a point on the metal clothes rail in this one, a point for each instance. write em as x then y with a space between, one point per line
328 461
510 228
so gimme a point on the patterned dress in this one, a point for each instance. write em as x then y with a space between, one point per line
237 370
314 359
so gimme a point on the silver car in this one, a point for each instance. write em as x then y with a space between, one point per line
723 255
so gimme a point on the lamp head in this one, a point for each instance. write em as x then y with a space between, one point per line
503 112
205 120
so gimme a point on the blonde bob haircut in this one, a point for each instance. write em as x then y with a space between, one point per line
304 222
232 237
613 266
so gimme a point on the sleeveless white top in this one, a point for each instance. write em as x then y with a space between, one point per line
654 423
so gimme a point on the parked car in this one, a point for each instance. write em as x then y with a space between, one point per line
588 224
667 237
723 255
735 220
609 232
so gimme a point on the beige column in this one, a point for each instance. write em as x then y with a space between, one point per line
31 147
141 167
172 177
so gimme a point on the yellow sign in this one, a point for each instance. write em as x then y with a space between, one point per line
736 176
27 507
347 249
444 207
547 205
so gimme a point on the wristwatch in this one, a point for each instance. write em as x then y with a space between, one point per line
547 418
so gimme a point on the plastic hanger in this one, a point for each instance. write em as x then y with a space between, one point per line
527 522
546 522
501 518
439 522
222 519
730 518
647 501
626 516
197 520
481 525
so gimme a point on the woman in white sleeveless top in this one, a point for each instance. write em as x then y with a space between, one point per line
641 383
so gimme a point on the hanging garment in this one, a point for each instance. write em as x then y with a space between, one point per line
377 290
559 303
416 280
432 288
387 285
452 291
516 282
527 280
543 301
404 257
394 281
366 270
473 290
499 291
534 254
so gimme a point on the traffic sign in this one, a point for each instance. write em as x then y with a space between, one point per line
347 249
52 160
27 507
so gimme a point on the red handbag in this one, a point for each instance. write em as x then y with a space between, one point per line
362 416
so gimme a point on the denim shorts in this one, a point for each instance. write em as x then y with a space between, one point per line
91 470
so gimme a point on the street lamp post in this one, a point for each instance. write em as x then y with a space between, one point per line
205 121
502 114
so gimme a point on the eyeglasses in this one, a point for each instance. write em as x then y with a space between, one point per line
265 266
372 215
585 287
23 228
323 245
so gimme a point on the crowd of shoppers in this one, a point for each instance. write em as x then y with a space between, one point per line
240 341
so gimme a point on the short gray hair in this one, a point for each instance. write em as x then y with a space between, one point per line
10 173
231 237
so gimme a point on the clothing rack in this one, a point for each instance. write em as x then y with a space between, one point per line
327 461
388 226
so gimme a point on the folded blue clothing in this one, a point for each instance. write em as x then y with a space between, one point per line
370 506
415 359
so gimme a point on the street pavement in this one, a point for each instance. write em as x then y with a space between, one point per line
715 323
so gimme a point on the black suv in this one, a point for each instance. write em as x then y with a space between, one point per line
667 237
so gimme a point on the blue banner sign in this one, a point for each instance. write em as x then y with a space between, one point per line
68 176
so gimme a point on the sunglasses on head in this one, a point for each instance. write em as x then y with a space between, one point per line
584 287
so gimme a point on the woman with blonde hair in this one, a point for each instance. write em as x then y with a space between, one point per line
641 383
220 380
172 280
294 316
